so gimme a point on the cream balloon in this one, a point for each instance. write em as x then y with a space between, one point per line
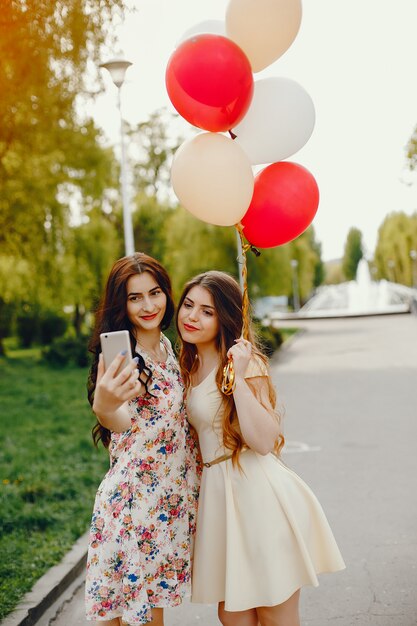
212 27
213 179
279 121
264 29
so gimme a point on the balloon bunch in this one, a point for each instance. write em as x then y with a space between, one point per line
209 79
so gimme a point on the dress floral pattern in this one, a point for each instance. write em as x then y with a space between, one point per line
145 509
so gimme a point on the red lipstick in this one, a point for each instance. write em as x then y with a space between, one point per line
190 328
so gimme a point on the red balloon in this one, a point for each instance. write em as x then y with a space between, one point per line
284 203
209 81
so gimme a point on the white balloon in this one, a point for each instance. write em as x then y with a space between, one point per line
212 27
264 29
213 179
279 121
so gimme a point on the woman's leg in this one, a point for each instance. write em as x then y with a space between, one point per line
285 614
237 618
157 617
111 622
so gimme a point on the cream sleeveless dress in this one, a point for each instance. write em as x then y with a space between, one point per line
261 533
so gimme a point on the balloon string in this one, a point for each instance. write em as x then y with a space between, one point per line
245 295
228 382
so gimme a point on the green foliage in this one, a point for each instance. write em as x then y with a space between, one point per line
307 252
67 351
7 311
334 273
319 271
13 278
270 273
91 251
27 326
37 325
51 325
411 151
48 155
269 337
353 253
150 226
192 246
49 470
396 249
155 147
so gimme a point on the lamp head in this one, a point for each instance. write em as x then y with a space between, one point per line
117 70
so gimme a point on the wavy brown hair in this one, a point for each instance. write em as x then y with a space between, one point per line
228 303
112 315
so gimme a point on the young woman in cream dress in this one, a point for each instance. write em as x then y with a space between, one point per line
261 532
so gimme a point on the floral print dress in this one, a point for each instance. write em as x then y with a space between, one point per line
144 513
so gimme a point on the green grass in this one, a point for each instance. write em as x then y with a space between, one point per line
288 332
49 469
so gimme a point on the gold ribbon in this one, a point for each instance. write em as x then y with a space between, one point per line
228 382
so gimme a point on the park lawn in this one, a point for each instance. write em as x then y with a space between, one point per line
49 469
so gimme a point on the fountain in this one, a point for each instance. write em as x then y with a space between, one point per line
362 296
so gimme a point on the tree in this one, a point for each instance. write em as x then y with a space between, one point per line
153 144
270 273
48 154
319 270
397 241
333 273
92 248
411 151
306 251
353 253
193 246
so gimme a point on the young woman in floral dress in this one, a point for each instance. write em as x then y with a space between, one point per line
139 556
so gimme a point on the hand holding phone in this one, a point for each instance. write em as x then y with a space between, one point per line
116 383
112 344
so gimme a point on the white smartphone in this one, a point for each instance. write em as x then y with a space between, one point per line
113 343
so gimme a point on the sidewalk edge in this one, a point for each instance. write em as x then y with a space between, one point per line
50 586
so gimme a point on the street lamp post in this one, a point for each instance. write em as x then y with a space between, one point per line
117 70
296 295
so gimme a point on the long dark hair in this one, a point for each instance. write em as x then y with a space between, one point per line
228 303
112 315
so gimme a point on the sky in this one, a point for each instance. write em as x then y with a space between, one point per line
358 61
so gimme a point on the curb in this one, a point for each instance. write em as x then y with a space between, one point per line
50 586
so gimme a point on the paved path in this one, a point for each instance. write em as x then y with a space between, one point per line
350 393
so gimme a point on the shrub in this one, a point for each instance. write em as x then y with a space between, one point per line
67 351
6 317
27 327
270 339
51 326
